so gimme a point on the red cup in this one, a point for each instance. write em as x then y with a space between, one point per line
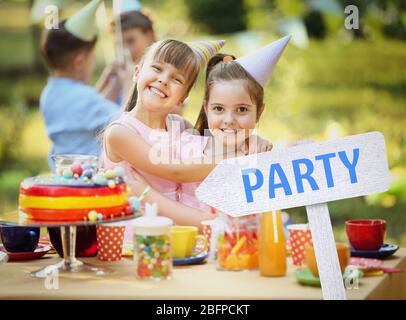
366 234
110 241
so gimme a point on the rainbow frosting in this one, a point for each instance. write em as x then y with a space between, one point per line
75 194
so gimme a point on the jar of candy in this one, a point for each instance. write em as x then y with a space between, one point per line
237 244
152 245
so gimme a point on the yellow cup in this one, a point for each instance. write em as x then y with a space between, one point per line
343 252
185 240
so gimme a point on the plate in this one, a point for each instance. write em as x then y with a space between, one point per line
305 276
17 256
198 259
385 251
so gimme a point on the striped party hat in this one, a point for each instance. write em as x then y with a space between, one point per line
205 50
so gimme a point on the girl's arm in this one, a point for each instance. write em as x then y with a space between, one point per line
123 144
178 212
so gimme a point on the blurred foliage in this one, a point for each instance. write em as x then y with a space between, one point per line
351 82
12 119
217 17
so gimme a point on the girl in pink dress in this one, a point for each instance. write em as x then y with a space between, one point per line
233 104
144 140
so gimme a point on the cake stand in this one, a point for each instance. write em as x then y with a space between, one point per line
69 263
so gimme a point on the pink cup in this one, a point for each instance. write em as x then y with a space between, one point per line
299 236
110 241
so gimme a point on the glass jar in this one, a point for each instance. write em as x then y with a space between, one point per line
152 245
86 240
65 161
237 244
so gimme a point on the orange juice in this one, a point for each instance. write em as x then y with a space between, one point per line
272 245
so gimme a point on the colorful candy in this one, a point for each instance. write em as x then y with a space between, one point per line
67 174
153 256
119 172
77 170
109 174
99 179
88 173
92 216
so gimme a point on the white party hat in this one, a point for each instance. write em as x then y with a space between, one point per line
83 23
261 63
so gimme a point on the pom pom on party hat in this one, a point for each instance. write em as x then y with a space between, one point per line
205 50
83 23
123 6
261 63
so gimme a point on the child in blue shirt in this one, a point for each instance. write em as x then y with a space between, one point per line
73 111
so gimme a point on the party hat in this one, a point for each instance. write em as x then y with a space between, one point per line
261 63
205 50
83 23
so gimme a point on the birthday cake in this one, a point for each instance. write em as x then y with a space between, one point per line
75 194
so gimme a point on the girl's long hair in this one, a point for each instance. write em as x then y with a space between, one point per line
219 71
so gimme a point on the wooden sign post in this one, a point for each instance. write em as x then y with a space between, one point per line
305 175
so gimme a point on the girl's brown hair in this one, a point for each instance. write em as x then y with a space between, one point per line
218 71
176 53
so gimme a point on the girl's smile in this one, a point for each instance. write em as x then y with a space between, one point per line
231 113
161 85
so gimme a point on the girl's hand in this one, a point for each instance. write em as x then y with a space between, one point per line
256 144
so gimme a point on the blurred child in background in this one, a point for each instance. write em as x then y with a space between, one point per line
74 111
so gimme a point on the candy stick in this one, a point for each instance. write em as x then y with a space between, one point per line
119 36
144 193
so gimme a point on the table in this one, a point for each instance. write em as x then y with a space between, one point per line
189 282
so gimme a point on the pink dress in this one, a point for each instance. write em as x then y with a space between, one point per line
192 146
165 145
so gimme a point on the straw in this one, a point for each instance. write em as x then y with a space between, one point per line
275 227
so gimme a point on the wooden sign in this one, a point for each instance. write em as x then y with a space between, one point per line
305 175
299 176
